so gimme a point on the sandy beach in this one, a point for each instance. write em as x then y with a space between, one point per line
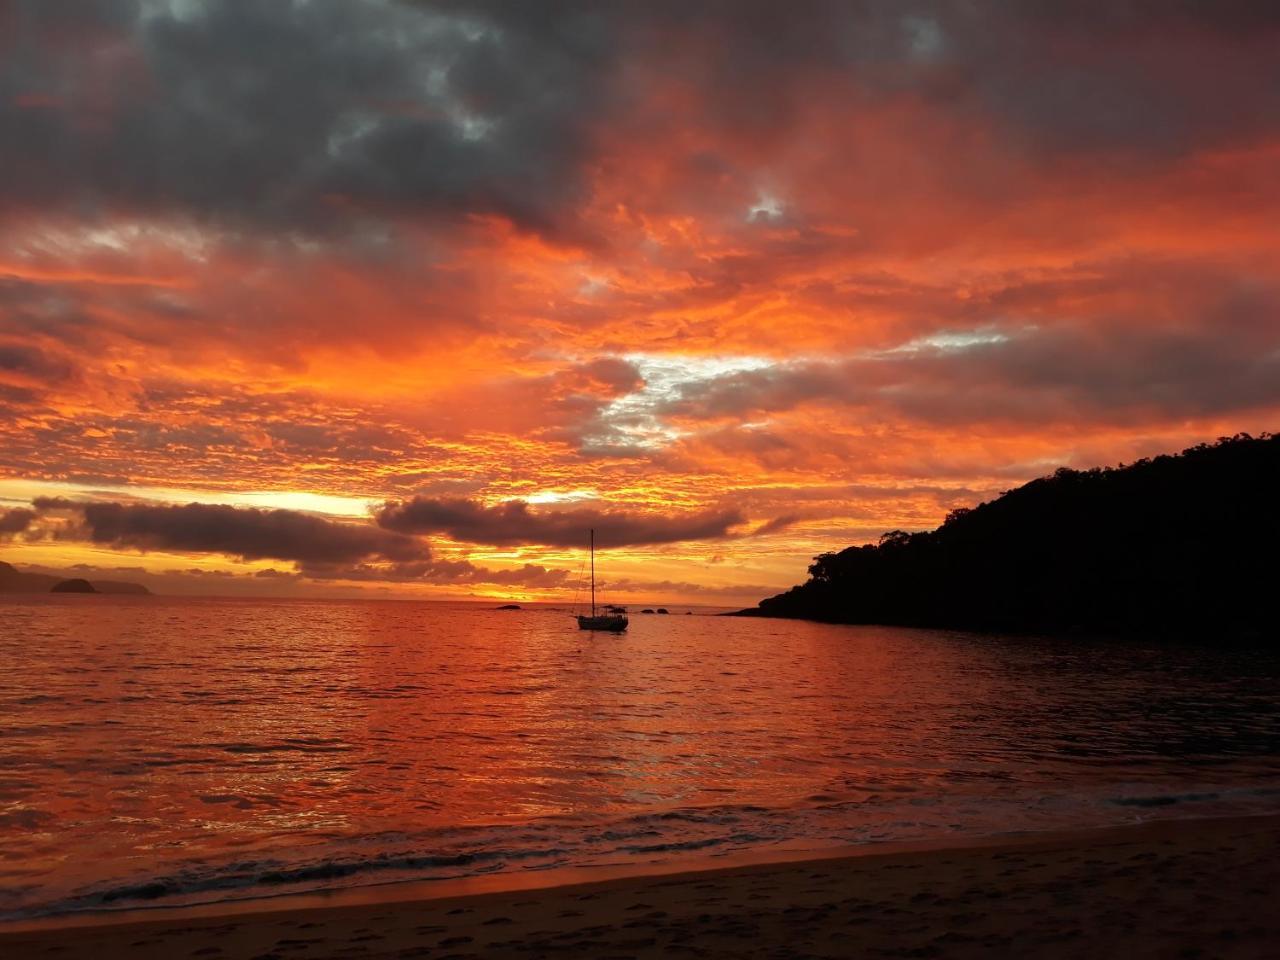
1170 889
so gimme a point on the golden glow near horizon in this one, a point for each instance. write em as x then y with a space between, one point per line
735 320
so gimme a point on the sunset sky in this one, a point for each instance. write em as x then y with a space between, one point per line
348 297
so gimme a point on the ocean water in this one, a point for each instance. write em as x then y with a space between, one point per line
158 751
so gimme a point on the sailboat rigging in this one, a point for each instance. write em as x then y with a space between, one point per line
614 618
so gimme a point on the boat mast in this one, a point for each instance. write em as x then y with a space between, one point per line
593 571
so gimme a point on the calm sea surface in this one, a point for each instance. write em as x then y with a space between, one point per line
159 751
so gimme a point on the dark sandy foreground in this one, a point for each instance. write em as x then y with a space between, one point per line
1190 889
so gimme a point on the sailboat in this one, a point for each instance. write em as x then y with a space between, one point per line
613 619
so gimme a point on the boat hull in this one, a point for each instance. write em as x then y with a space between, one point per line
613 624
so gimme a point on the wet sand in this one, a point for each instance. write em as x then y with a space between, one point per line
1173 889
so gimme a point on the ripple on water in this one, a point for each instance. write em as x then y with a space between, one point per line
188 749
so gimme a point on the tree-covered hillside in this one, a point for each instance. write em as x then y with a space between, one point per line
1184 543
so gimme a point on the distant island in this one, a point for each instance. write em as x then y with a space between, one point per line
1183 544
74 585
13 580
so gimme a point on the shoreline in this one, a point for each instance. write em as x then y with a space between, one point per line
1190 635
1232 857
423 889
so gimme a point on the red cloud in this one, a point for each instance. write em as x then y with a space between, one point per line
881 268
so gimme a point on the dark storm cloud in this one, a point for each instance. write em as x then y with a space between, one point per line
15 521
1149 78
301 116
514 523
271 573
248 533
289 113
322 549
32 363
777 524
1053 375
29 373
605 376
527 575
437 571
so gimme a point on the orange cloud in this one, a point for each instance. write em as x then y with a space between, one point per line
830 270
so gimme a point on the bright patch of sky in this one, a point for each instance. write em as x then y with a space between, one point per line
632 420
766 207
962 340
180 10
17 492
119 237
924 37
560 496
590 286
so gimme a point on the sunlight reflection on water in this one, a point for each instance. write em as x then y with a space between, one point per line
170 749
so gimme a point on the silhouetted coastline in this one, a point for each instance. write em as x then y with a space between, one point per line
13 580
1182 544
